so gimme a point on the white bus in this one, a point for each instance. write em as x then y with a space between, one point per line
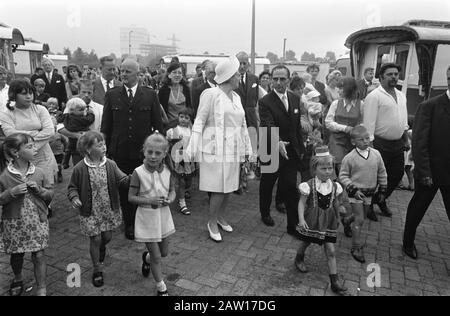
421 48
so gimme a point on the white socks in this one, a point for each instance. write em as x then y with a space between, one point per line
161 286
182 202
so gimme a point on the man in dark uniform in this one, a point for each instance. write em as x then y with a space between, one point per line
431 154
131 113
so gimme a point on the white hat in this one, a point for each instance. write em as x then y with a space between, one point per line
313 94
226 69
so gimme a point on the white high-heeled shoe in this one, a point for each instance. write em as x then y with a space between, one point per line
216 237
226 228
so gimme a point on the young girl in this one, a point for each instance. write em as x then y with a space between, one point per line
183 169
94 191
318 212
25 192
152 188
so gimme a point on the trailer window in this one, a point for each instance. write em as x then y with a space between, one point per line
401 58
383 56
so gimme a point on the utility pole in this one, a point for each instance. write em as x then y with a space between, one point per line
284 50
129 42
253 53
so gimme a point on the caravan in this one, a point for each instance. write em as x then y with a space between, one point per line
421 48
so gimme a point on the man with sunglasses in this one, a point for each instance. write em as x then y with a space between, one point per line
281 109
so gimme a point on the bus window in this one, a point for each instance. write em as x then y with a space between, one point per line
401 58
440 68
383 56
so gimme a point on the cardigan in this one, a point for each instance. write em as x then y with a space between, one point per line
13 204
80 186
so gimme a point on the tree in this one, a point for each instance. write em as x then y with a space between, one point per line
290 55
330 56
67 52
272 57
308 57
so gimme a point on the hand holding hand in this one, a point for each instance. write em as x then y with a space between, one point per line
76 203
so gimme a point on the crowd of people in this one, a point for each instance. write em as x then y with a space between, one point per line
135 146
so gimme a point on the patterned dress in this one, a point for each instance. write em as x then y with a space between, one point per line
321 213
27 234
103 218
181 166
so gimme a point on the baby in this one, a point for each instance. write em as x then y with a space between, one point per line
77 120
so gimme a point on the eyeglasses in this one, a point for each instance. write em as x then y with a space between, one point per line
279 78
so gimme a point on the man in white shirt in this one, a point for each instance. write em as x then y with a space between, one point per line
386 120
3 88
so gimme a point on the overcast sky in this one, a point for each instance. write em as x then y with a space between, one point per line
211 25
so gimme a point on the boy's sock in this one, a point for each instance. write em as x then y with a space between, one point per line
161 286
182 202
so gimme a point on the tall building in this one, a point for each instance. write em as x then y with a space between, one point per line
132 39
136 41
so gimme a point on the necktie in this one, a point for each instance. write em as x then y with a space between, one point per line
283 98
130 95
242 80
108 85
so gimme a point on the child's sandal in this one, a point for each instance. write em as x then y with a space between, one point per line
97 279
184 210
16 288
145 266
163 293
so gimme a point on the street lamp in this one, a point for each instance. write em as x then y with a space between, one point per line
284 50
129 42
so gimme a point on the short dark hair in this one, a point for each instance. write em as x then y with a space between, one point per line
281 66
87 141
349 88
312 67
368 69
69 68
186 111
16 87
105 59
296 83
357 131
386 66
265 72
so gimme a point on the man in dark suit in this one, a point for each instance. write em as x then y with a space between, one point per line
281 109
106 81
131 113
54 83
314 70
199 79
248 90
210 73
431 154
366 85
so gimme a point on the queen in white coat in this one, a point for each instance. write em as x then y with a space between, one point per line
220 142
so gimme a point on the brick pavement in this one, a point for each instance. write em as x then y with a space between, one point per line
253 260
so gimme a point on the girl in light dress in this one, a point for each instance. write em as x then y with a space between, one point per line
152 189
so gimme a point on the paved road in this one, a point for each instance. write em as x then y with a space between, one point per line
254 260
